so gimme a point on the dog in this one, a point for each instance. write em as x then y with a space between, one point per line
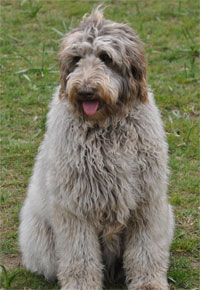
97 201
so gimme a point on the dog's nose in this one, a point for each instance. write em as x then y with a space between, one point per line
86 93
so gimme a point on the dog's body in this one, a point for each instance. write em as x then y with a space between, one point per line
98 191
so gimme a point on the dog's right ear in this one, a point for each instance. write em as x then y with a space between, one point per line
63 81
61 93
63 72
67 58
64 63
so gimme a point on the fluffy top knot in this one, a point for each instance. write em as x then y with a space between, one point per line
96 17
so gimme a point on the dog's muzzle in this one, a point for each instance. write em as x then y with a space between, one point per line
87 97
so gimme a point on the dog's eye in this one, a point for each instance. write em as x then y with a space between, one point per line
76 59
105 58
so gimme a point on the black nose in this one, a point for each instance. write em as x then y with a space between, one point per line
86 93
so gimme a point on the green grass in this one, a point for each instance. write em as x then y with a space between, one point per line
30 37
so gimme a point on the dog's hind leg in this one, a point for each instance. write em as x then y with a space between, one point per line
36 240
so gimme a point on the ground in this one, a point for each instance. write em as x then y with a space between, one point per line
30 37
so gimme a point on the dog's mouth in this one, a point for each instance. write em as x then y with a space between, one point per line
90 107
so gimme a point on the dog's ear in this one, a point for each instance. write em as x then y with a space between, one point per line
138 71
64 63
63 76
136 64
67 59
63 73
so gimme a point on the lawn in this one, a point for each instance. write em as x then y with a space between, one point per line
30 37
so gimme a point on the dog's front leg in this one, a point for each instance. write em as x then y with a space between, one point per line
78 253
147 248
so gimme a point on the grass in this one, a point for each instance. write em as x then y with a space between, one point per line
30 37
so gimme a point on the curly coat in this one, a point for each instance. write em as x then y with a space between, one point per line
97 202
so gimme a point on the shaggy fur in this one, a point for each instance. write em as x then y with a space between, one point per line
97 198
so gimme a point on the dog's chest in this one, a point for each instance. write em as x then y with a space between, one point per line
99 180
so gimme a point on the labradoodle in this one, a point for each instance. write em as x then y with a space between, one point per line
97 200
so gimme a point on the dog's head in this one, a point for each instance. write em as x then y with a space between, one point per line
103 69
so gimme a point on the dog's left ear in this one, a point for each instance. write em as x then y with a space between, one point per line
138 71
136 64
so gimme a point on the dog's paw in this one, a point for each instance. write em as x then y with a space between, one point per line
153 287
149 286
80 287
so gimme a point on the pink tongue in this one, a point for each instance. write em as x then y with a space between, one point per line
90 107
